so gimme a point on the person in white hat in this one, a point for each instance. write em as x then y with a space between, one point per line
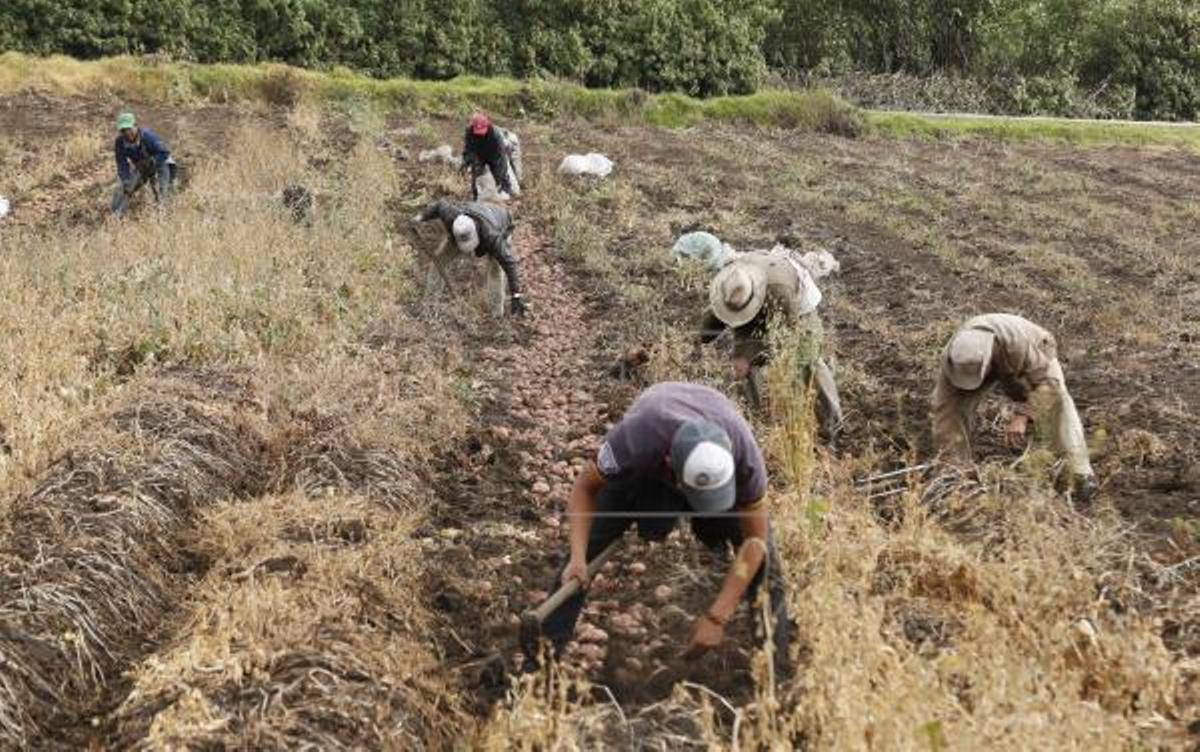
681 450
744 296
484 230
1000 349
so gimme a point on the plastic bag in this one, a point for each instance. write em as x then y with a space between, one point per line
4 207
704 247
819 264
596 165
444 153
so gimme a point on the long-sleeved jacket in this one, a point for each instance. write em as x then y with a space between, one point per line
147 146
489 149
485 149
1025 367
791 294
494 225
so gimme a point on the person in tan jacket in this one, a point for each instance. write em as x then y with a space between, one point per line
1021 358
744 296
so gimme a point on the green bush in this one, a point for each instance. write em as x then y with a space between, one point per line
1153 47
696 46
1110 57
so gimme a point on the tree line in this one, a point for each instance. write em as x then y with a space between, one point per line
1143 53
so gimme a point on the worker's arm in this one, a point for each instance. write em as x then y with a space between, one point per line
433 211
155 146
950 418
508 263
709 629
470 153
122 163
711 328
581 508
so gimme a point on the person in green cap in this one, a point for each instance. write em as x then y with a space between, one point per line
142 157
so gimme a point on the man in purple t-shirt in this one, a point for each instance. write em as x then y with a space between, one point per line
680 450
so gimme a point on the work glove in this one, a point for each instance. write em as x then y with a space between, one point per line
517 306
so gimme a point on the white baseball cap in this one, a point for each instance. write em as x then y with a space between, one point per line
702 458
466 235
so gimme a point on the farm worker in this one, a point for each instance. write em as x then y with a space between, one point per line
488 146
764 298
482 229
681 450
1000 349
142 157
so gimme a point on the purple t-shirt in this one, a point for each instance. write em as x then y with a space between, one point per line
641 442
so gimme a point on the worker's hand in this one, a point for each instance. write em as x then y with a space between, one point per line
1014 433
707 633
741 367
576 570
517 306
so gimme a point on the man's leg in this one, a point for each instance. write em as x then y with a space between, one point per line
813 370
829 402
1056 407
754 387
499 169
514 154
953 417
123 193
608 525
749 361
497 286
120 201
163 176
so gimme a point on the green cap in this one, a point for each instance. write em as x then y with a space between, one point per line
126 120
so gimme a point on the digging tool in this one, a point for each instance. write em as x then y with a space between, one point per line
531 621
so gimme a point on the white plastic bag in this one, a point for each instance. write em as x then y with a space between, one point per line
444 153
596 165
819 264
4 207
704 247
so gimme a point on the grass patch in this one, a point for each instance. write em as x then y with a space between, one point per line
1030 129
546 100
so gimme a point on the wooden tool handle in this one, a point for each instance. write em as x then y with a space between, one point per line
571 588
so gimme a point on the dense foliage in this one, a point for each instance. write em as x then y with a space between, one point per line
1142 57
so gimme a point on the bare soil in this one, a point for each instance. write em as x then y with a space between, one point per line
1098 244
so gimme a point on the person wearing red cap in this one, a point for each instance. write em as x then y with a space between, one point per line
488 146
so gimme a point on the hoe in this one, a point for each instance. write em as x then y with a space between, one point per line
531 621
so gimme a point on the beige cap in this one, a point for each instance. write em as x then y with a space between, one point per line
967 358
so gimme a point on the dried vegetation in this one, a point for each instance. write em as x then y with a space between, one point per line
256 497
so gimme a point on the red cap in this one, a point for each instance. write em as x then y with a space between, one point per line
480 124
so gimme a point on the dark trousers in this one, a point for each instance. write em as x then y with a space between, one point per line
498 166
661 506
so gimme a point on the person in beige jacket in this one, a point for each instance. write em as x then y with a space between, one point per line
1021 358
744 296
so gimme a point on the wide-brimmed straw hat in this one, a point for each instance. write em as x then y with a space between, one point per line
738 291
